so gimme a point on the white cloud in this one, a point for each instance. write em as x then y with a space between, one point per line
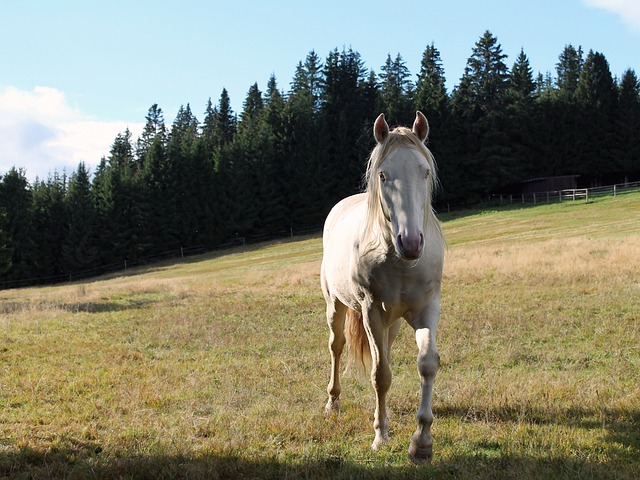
41 132
628 10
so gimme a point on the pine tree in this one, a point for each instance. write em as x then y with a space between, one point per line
521 84
596 97
302 144
568 70
520 119
16 201
308 79
479 105
49 225
219 125
396 91
485 78
628 124
252 107
431 93
345 125
79 248
180 192
273 184
153 128
120 203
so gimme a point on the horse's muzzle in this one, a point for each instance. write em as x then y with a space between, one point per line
410 246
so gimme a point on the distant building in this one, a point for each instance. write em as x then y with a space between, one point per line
548 184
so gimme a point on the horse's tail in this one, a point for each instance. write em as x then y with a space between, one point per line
359 350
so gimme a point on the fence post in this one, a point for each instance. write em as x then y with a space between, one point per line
614 190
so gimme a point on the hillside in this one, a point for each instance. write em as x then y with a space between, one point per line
217 367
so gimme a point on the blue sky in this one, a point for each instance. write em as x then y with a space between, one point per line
73 74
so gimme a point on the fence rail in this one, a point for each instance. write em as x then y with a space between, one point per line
572 194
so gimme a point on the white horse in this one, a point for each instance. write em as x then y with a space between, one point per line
382 261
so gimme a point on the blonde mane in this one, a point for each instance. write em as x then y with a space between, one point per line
376 226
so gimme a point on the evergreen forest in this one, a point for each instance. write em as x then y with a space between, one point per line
280 164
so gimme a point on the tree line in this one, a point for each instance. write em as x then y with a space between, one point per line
287 157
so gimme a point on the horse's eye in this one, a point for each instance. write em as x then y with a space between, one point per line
426 175
383 177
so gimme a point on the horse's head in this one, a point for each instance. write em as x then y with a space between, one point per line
404 174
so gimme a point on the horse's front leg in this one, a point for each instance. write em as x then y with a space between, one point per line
335 319
380 374
420 449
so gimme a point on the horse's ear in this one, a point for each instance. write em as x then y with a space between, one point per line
380 128
421 126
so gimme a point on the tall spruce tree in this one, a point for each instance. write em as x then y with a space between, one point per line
345 118
219 125
396 91
596 98
520 121
479 104
302 144
79 247
16 200
274 178
154 127
120 203
181 194
628 124
431 92
308 79
49 224
568 70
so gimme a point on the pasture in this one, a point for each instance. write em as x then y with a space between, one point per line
217 367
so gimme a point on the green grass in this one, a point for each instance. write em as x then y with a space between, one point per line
217 367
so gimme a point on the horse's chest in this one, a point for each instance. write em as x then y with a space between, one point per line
396 287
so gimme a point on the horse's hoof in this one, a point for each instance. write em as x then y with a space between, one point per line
333 406
420 455
378 442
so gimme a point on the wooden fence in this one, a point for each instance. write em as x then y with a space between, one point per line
573 194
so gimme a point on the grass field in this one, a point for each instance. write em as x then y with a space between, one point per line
217 367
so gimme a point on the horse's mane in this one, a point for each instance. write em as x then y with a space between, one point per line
376 224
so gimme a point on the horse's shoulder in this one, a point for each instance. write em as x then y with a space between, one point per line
345 210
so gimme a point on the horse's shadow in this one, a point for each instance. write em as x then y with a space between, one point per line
85 460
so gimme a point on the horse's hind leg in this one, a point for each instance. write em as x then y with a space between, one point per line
336 313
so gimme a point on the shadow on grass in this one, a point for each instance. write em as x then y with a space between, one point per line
56 464
484 460
617 457
622 427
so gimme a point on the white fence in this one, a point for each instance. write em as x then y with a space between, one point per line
572 194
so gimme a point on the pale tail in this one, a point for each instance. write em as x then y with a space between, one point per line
358 342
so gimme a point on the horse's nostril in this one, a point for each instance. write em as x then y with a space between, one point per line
411 246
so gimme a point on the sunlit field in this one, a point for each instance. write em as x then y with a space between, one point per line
217 367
